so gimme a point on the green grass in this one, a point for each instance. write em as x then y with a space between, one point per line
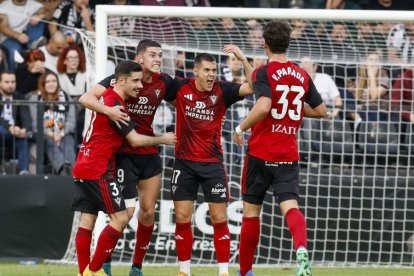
13 269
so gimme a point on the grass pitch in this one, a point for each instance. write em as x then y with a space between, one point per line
15 269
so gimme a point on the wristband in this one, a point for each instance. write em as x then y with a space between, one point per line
239 130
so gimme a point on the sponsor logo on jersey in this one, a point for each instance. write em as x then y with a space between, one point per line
157 92
178 237
200 105
188 96
142 100
223 195
213 98
225 237
118 201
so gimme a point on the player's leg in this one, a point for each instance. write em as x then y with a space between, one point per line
148 193
82 203
184 187
216 193
108 196
287 190
83 240
255 183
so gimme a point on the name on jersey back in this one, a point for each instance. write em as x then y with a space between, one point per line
288 71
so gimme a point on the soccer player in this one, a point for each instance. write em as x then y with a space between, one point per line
140 167
96 188
284 93
200 105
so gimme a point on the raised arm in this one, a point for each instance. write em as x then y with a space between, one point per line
247 88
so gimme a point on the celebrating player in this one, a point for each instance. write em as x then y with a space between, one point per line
201 103
140 167
96 188
284 93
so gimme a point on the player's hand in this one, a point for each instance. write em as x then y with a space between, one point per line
117 114
231 48
169 138
85 13
239 139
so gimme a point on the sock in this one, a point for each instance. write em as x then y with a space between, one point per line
249 239
222 241
183 241
185 267
143 236
106 244
297 227
83 247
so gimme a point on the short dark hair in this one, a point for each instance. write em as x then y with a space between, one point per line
146 43
126 67
277 36
8 72
204 56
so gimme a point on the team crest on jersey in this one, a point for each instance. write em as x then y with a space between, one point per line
189 97
157 92
213 98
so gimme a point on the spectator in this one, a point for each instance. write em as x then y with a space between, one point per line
255 40
175 3
4 66
368 39
389 5
52 50
400 43
59 123
15 121
231 69
73 14
72 71
342 4
402 96
28 73
325 86
20 26
372 85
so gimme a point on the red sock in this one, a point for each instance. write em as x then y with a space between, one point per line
249 239
222 241
183 240
143 236
83 247
106 243
297 227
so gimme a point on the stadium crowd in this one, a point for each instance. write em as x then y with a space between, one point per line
362 70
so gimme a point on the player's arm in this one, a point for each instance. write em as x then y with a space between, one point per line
90 99
247 88
258 113
314 107
260 109
139 140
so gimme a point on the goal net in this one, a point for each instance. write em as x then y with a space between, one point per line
356 179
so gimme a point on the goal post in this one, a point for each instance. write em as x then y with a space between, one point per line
356 180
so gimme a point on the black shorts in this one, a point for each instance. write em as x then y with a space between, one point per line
92 196
134 167
187 175
259 175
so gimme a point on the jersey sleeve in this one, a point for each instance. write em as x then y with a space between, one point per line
172 85
230 92
261 85
313 97
123 129
108 81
